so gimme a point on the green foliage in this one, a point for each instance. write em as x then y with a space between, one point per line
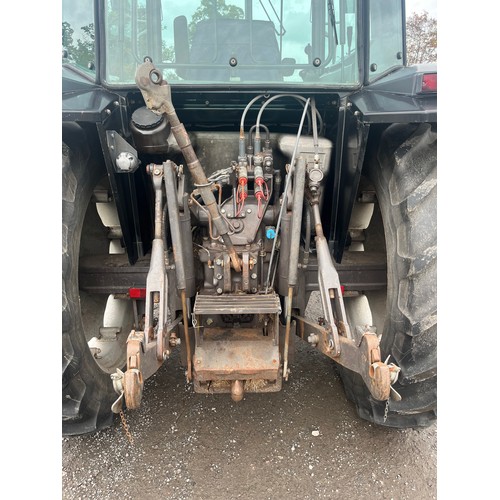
81 51
67 35
209 9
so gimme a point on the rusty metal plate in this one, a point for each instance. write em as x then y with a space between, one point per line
236 354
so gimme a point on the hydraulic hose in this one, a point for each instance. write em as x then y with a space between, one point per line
285 192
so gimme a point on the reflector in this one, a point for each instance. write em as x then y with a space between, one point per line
137 293
429 83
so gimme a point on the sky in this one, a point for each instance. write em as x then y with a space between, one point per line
420 5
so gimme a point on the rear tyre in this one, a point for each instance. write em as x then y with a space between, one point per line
89 353
403 173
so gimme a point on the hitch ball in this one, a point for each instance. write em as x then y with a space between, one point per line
237 390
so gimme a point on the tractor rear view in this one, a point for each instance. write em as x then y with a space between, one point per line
222 162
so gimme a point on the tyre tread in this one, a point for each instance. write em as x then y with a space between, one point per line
86 399
405 178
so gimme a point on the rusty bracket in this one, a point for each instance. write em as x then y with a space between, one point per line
133 381
142 362
245 273
155 90
227 272
363 357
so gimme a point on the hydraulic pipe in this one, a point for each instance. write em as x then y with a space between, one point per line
297 207
293 263
285 192
287 331
175 225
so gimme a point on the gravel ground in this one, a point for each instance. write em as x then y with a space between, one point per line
304 442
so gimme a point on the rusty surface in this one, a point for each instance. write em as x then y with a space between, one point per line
133 385
363 358
245 273
142 362
235 354
133 381
186 335
227 272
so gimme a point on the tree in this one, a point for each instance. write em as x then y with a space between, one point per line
67 35
82 51
209 9
421 38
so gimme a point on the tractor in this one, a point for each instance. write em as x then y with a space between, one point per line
223 162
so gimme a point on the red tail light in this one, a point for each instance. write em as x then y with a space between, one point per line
137 293
429 83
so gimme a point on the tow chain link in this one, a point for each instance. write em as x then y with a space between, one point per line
126 428
386 411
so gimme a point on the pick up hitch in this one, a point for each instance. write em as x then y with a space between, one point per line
362 357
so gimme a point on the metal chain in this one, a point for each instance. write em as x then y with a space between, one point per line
126 427
386 411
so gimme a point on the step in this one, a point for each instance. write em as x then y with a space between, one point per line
237 304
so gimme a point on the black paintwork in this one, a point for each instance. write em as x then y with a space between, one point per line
348 117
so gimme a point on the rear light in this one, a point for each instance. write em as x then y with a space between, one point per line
137 293
342 289
428 84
